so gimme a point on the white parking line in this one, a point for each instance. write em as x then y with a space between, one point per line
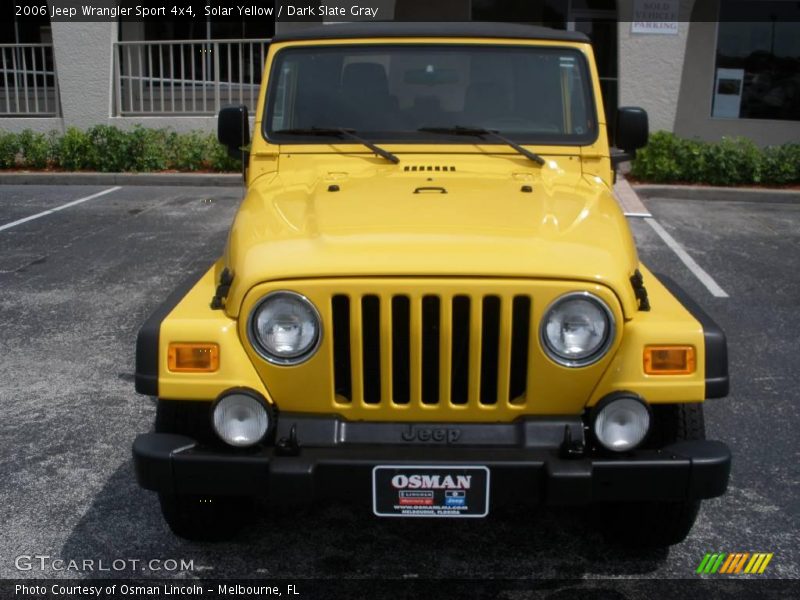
58 208
690 263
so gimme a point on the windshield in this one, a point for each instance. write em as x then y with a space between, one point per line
389 92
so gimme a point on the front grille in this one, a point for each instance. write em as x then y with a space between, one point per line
431 349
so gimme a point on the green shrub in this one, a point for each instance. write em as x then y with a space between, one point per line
780 165
36 149
72 151
658 160
9 149
108 149
147 149
217 157
190 151
732 161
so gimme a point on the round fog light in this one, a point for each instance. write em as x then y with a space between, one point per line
240 419
622 423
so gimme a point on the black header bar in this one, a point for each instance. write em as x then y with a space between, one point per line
311 11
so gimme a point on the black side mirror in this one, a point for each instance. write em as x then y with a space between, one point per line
632 129
233 130
630 134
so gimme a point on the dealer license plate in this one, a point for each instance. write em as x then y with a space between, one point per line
420 491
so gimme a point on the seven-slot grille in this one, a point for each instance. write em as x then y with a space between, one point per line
431 349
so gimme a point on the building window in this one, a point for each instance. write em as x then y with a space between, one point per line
27 67
757 73
155 29
189 66
27 30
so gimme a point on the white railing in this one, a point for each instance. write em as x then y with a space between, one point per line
186 77
28 82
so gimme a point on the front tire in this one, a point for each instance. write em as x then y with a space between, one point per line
186 417
658 524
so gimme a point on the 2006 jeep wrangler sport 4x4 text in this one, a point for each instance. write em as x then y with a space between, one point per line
429 300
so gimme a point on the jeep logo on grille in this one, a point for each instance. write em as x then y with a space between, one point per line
437 435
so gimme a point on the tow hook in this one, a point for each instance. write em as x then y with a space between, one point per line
571 448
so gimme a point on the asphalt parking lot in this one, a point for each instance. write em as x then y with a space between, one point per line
76 284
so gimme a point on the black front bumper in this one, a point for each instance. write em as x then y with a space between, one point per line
682 471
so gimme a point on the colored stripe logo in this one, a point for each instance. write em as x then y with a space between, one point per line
735 563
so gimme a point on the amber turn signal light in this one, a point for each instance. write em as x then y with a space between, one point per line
669 360
193 358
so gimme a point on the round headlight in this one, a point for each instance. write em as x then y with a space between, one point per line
577 329
285 328
240 419
622 423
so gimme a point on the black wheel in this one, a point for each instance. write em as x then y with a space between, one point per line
658 524
205 518
674 422
185 417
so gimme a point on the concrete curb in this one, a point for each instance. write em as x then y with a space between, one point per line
692 192
196 179
629 200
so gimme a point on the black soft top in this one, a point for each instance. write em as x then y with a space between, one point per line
466 29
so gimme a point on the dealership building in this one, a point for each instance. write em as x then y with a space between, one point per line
701 68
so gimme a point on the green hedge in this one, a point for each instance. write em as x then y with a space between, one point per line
733 161
110 149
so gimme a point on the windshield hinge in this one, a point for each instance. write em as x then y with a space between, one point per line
637 281
225 281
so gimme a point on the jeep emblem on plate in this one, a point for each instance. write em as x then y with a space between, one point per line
440 435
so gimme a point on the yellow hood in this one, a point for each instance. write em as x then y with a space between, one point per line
389 221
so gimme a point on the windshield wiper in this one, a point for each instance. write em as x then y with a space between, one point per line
343 132
482 132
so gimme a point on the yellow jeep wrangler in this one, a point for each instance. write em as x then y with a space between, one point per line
430 302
